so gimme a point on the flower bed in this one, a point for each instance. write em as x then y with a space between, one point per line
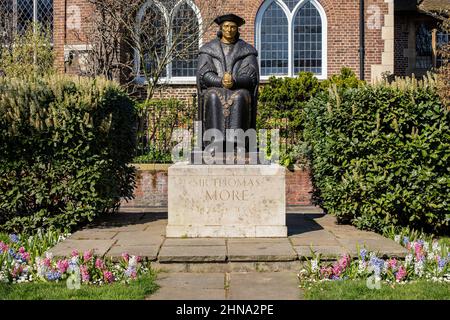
426 260
24 261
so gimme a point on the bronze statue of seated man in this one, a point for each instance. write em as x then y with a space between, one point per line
227 79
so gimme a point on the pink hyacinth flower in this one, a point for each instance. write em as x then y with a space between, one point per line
392 263
99 264
75 253
3 246
26 256
47 262
401 273
87 255
62 265
108 276
21 250
125 256
84 273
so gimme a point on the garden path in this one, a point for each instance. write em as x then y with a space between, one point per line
225 268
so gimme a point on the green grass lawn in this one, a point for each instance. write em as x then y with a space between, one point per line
358 290
136 290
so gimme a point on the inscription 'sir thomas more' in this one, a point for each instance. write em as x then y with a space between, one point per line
224 188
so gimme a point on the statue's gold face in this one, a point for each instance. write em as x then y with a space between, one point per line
229 31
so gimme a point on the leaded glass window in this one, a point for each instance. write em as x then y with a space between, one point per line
274 41
443 39
24 12
185 27
168 24
153 40
291 3
308 40
291 37
423 48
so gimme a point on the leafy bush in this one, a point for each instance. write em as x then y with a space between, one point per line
29 54
380 155
158 119
281 106
65 146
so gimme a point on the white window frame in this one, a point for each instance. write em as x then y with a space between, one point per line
137 59
290 17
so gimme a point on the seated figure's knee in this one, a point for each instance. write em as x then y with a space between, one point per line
244 97
212 96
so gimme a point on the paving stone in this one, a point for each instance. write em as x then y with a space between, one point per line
192 280
326 252
190 286
383 247
317 238
158 229
260 250
356 234
149 252
175 242
169 267
93 234
304 209
192 253
264 286
139 238
213 267
65 248
182 294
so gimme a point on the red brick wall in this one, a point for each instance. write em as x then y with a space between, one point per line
343 30
151 188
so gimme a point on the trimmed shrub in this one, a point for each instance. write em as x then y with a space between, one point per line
380 155
65 145
281 106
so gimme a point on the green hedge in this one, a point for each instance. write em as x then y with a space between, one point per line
380 155
65 145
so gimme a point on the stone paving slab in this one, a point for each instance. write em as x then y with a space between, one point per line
176 242
264 286
192 254
326 252
143 233
261 249
317 237
149 252
65 248
190 286
139 238
93 234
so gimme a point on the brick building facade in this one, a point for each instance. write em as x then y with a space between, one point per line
340 22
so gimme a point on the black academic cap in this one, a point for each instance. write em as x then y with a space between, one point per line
230 17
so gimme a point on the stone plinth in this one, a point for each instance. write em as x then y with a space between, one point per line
226 201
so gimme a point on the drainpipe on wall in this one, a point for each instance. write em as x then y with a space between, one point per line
362 48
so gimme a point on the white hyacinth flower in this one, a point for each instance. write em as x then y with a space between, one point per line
132 262
426 246
435 247
362 266
408 259
397 238
314 265
49 255
418 268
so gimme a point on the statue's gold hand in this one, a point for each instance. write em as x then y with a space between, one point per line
227 81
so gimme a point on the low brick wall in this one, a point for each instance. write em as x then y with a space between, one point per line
151 186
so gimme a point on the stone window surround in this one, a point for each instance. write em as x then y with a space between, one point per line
291 16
